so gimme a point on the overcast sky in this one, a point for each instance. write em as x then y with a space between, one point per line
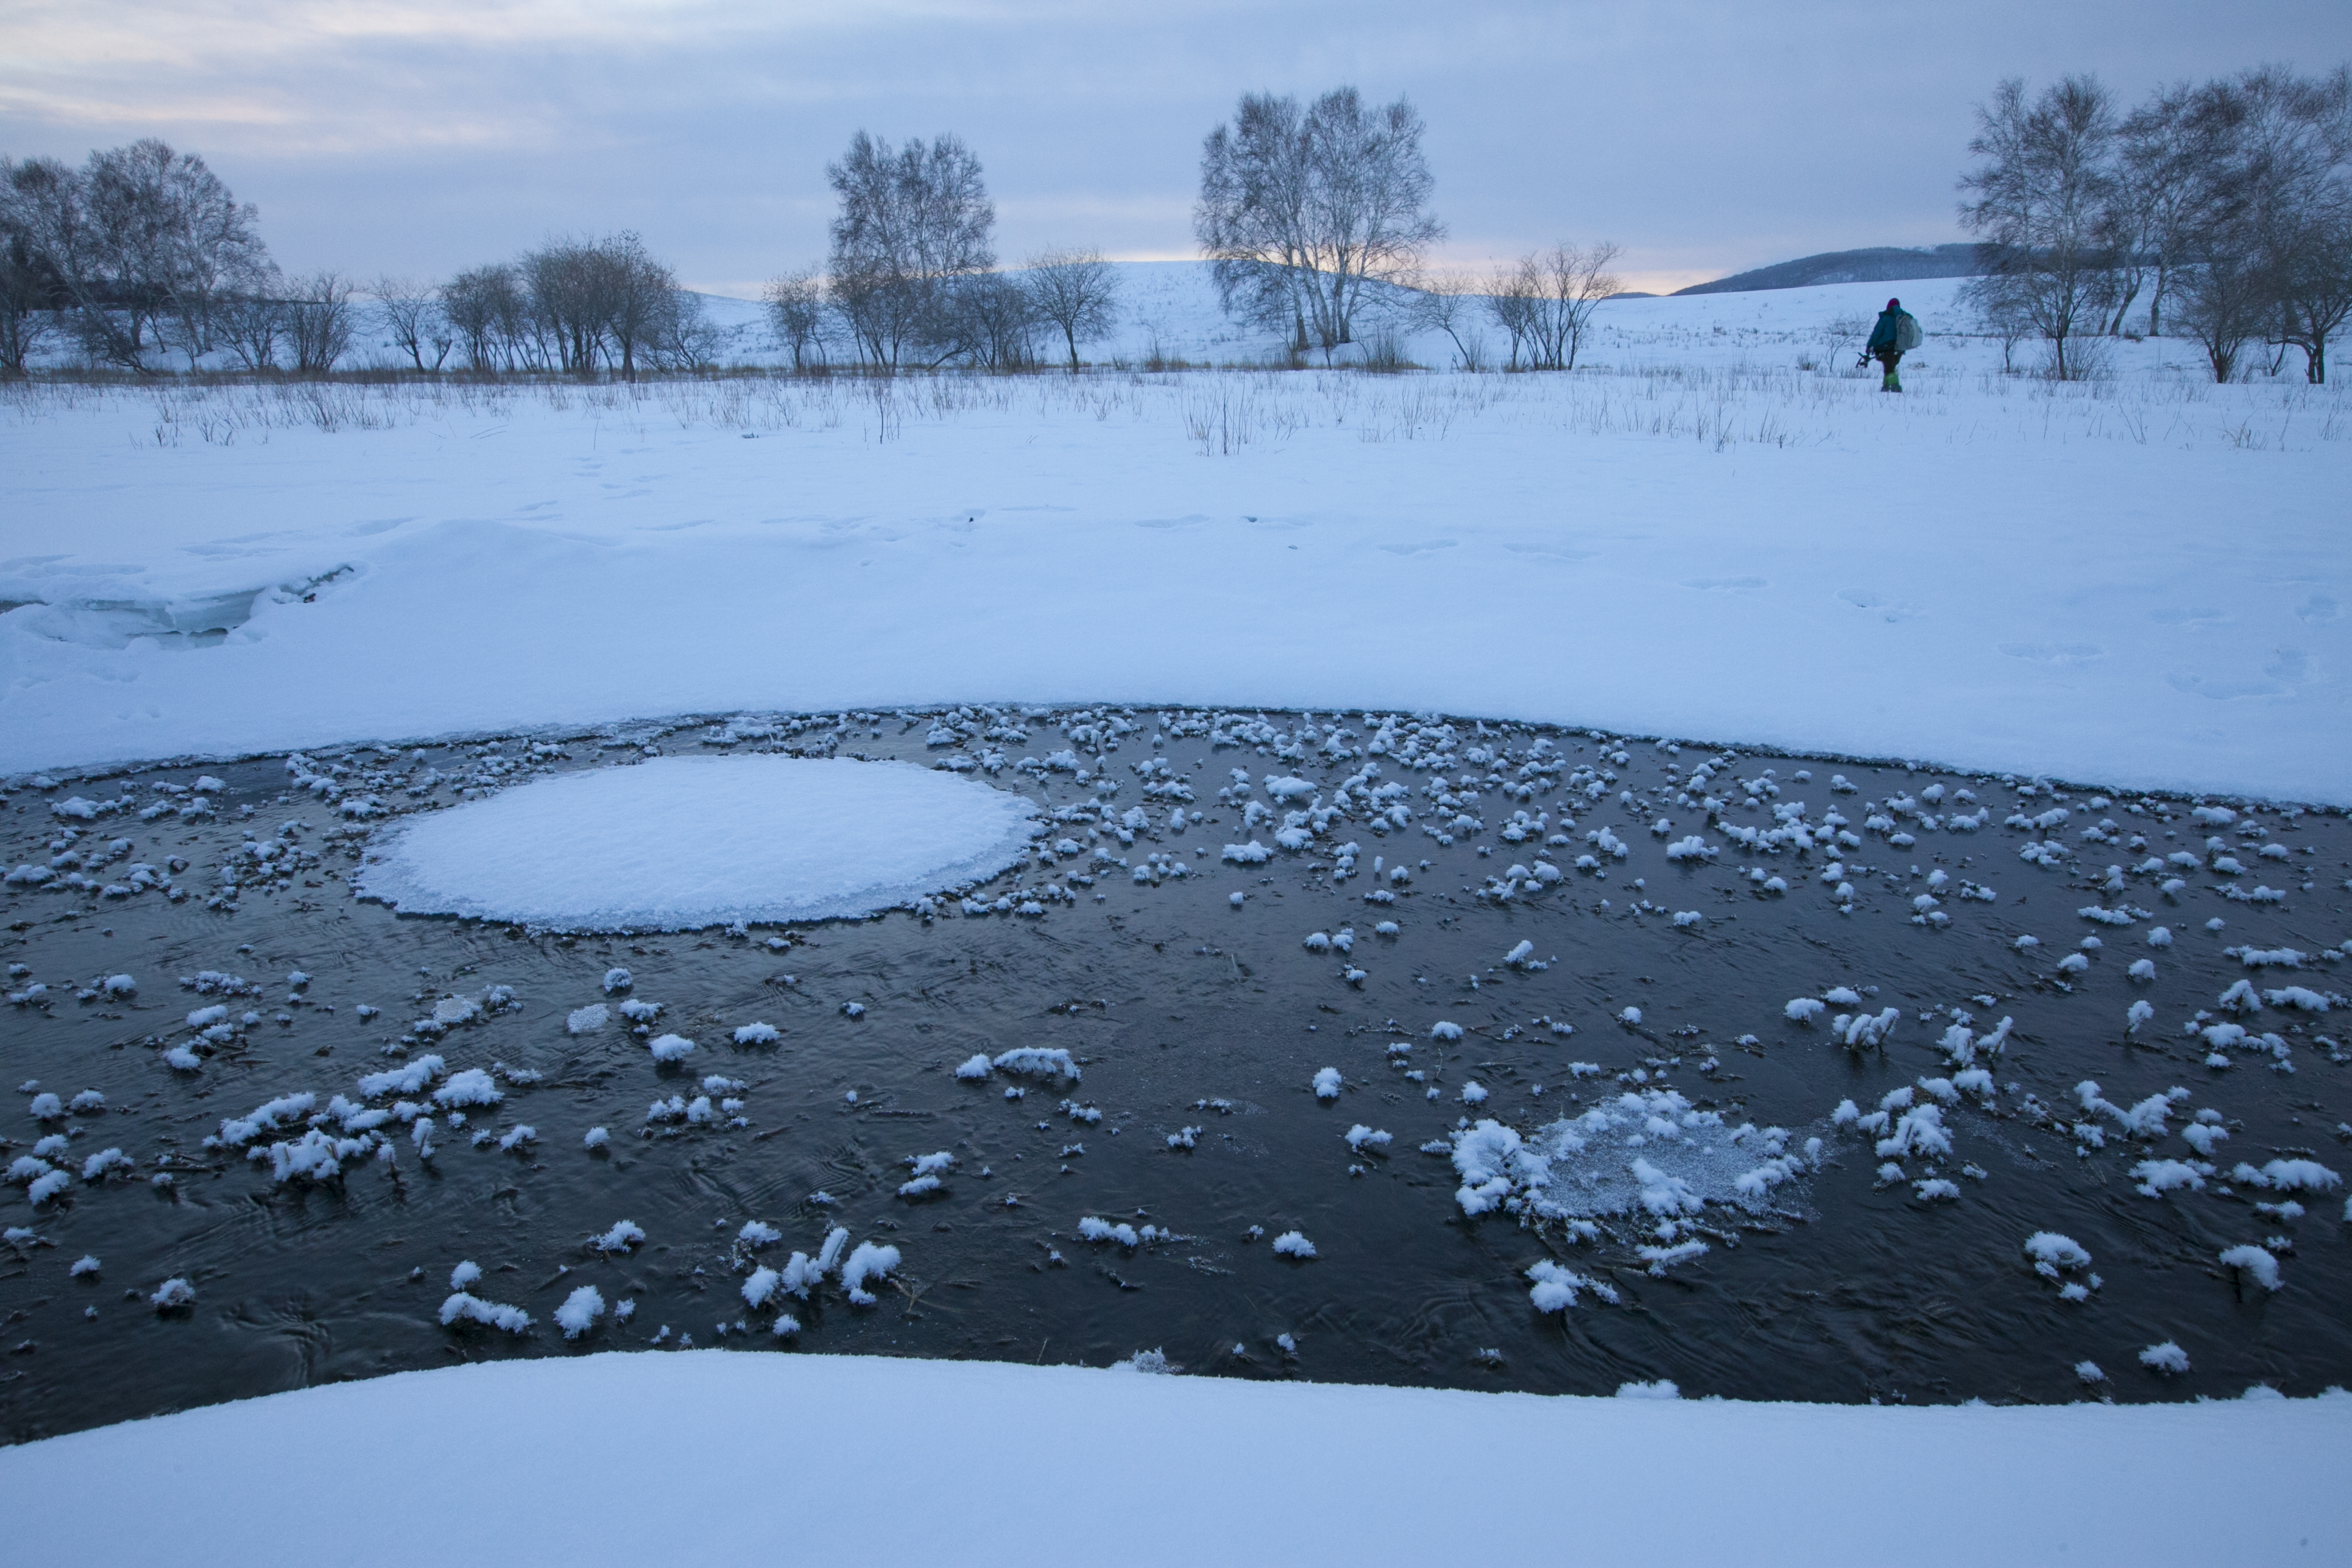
1706 136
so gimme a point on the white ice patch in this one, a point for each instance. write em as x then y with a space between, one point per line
1647 1151
681 842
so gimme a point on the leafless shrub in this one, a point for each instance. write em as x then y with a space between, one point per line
318 323
797 315
413 315
1545 303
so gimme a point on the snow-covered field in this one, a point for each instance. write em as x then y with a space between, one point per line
870 1458
2139 581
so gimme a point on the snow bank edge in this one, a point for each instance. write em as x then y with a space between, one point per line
543 1434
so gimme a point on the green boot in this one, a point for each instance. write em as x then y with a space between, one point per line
1892 383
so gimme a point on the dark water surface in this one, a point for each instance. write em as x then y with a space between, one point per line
1185 1011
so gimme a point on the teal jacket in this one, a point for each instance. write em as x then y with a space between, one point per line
1896 330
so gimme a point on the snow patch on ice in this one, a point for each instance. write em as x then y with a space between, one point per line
802 838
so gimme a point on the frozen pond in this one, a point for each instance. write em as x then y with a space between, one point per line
1649 1098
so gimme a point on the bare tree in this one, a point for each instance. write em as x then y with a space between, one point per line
1076 291
646 310
2225 300
578 306
2293 183
140 238
25 282
992 323
486 309
175 240
685 337
2040 204
413 315
1546 301
2265 249
1511 300
1452 305
796 315
2311 278
317 316
1301 208
911 224
2001 310
571 300
2170 149
252 329
51 211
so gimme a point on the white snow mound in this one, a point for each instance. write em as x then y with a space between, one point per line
681 842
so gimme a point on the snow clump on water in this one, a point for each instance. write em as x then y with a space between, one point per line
614 848
1645 1151
580 1312
868 1262
2255 1263
463 1308
1037 1061
1556 1287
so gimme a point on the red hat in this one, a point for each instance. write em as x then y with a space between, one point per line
1895 304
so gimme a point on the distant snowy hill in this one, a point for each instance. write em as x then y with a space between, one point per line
1877 264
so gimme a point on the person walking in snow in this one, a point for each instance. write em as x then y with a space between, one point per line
1897 334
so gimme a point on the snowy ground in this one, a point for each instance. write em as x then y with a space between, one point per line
885 1459
2135 581
1715 532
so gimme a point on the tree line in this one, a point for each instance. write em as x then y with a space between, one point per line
2225 208
2226 205
143 249
1316 216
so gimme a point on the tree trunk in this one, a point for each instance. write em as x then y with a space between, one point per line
2115 326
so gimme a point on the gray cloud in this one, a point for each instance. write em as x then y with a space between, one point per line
1704 135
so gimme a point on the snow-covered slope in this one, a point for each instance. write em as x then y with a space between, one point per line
647 1458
